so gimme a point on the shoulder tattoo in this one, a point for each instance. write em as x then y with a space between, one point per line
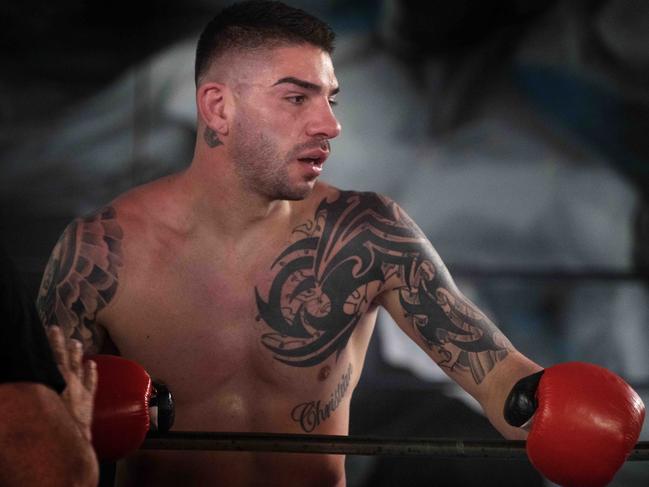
355 246
81 276
323 282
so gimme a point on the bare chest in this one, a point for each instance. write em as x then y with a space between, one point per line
236 327
191 319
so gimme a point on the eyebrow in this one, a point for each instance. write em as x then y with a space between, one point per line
307 85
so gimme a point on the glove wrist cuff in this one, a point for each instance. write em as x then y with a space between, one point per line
521 402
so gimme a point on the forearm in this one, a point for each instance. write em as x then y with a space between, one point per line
41 444
497 387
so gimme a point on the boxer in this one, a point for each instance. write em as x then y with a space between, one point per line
250 286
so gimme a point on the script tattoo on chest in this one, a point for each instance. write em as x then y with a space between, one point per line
356 246
81 276
310 414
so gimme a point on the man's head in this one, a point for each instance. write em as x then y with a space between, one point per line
255 25
265 91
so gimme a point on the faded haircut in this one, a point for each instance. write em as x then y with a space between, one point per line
259 24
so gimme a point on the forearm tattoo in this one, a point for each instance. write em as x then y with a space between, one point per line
211 138
81 276
311 414
355 247
462 336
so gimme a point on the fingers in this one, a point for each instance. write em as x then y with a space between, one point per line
90 376
57 343
75 353
69 358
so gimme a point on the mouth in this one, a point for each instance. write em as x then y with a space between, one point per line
314 158
313 161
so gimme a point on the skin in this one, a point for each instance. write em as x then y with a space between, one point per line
50 434
251 289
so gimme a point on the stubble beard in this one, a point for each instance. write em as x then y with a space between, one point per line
261 167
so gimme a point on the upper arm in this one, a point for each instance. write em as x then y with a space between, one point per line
82 276
421 296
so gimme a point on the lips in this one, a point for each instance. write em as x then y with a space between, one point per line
315 157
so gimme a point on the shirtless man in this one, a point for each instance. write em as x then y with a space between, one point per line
251 288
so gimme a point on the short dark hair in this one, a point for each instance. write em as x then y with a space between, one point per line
255 24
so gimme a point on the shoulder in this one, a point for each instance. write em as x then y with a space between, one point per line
361 206
90 241
357 222
326 193
130 217
81 276
86 264
105 224
109 236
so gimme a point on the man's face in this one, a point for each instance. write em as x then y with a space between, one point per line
283 121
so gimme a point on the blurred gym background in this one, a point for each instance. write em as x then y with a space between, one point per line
516 133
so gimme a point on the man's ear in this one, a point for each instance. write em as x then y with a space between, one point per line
211 100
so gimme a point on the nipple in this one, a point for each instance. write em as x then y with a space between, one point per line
324 373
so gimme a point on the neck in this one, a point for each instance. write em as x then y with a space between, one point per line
219 199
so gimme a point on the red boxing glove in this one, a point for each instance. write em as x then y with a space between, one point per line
586 423
125 393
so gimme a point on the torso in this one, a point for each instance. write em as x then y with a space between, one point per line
201 315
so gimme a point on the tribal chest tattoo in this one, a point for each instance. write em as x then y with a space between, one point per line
355 247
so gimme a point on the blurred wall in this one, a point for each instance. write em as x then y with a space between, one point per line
513 132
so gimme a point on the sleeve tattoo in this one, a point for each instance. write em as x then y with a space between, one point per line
81 277
463 338
362 241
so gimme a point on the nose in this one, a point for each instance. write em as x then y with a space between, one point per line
324 123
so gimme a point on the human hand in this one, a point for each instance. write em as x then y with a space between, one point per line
80 377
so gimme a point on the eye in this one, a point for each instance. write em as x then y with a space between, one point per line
296 99
333 103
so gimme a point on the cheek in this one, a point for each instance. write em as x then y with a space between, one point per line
275 132
278 138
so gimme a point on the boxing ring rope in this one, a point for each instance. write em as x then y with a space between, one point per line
403 447
349 445
553 274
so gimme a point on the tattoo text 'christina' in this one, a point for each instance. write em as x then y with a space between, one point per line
310 414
